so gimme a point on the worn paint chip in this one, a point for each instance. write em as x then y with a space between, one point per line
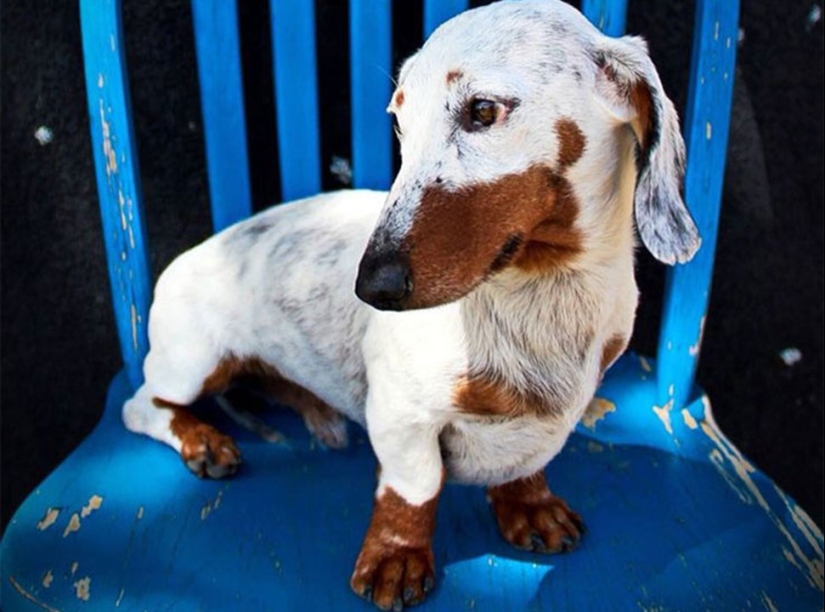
47 580
596 411
75 565
594 447
95 502
663 412
49 519
82 588
689 420
74 525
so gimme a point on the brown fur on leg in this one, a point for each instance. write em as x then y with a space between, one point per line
204 450
529 516
396 565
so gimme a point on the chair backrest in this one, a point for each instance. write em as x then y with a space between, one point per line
705 124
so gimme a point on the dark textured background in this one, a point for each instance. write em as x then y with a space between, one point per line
58 342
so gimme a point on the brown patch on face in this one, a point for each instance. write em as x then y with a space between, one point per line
571 142
529 516
453 76
482 396
396 563
204 450
457 235
611 350
398 98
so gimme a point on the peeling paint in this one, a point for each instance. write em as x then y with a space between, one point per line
594 447
803 522
74 525
209 507
75 565
23 592
694 349
645 364
49 519
119 597
708 130
596 411
689 420
718 462
769 605
100 81
139 514
812 569
95 501
663 412
108 150
133 310
47 580
82 588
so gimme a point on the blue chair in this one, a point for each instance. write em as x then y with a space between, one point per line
678 518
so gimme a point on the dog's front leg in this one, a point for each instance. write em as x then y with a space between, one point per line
395 566
529 516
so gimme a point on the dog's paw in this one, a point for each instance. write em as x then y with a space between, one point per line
394 578
208 452
547 525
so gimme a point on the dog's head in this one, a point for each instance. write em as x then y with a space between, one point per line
519 125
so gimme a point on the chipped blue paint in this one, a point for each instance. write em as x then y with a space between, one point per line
224 125
296 90
437 12
117 176
609 16
371 73
706 136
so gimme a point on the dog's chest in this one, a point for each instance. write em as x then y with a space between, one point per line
494 450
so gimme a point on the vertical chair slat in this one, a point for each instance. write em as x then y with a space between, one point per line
437 12
224 125
296 90
610 16
707 121
118 178
371 74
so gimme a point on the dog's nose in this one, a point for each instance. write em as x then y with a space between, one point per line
384 283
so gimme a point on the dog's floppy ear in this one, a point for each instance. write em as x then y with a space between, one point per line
629 88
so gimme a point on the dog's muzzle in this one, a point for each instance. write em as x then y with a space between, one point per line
384 281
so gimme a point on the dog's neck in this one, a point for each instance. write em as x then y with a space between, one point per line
537 331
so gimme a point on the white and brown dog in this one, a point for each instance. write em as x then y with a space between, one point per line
495 281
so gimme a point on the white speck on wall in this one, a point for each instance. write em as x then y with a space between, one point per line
708 130
43 135
790 356
341 169
814 17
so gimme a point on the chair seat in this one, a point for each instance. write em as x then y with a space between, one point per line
677 519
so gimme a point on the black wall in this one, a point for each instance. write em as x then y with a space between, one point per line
58 342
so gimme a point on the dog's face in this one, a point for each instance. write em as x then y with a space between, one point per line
512 122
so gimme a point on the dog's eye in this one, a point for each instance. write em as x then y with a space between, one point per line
482 114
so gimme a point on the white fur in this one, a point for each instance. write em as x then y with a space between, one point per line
279 286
